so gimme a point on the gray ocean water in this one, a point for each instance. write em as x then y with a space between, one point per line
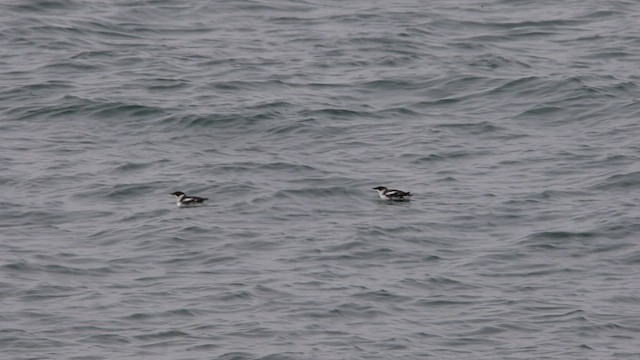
515 124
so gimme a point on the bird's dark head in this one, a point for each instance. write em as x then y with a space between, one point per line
380 188
177 193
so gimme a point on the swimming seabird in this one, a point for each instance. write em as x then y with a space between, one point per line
392 194
184 201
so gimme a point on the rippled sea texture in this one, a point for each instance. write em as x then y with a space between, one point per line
515 124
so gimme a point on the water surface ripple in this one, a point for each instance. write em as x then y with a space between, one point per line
513 123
